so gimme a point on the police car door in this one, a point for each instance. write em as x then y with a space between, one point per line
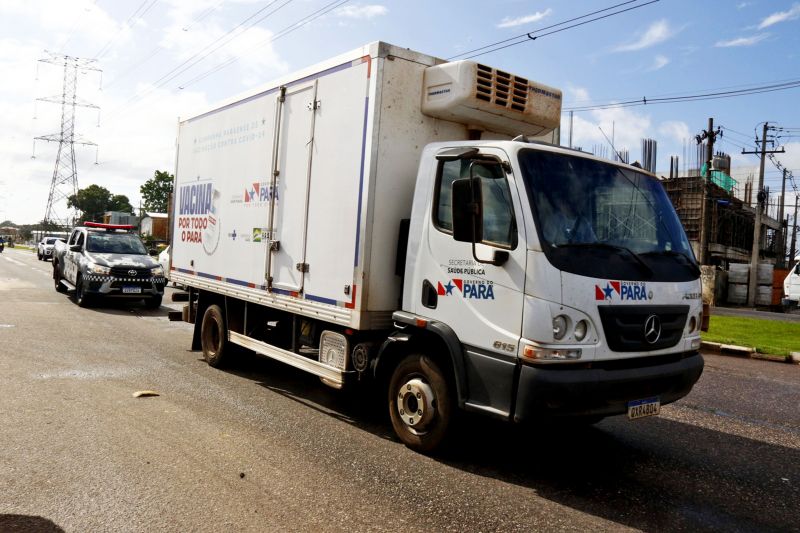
71 259
481 302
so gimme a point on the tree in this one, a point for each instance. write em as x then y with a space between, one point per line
156 191
95 200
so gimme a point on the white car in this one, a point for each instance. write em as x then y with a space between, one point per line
163 260
44 250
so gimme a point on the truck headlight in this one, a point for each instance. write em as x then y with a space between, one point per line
581 328
537 353
99 269
559 327
157 271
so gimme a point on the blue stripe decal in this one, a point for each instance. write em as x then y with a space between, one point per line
204 275
314 76
361 177
282 291
321 299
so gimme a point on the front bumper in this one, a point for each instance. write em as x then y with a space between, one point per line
604 388
109 286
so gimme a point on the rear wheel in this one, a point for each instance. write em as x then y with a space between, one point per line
420 403
214 337
39 256
81 298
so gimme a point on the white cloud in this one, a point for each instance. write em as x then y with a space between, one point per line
659 62
658 32
781 16
361 11
742 41
509 22
676 130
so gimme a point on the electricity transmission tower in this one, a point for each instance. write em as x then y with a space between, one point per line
65 173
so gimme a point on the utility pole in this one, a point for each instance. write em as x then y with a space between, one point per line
794 230
782 256
753 285
709 136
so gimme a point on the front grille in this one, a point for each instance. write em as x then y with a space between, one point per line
126 272
501 88
624 326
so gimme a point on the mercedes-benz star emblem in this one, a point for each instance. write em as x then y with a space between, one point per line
131 272
652 329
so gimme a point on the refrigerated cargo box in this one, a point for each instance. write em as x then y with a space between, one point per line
292 195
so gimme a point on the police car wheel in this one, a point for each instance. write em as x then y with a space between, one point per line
81 298
57 280
420 403
214 337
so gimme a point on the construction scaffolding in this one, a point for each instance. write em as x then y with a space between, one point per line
712 206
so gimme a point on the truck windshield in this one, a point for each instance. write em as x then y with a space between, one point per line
115 243
599 220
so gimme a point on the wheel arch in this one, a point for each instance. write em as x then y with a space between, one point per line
435 339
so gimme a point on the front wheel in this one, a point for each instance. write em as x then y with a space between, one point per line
420 403
81 298
154 302
214 337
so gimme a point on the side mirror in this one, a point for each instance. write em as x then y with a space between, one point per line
76 248
153 251
797 269
467 210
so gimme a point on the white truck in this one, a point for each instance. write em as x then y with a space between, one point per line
390 216
791 286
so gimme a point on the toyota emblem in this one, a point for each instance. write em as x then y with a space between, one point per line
131 272
652 329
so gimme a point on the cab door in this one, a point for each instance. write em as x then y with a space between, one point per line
481 302
71 259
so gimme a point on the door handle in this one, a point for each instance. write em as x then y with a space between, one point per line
430 298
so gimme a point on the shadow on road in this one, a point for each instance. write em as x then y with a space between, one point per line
17 523
652 474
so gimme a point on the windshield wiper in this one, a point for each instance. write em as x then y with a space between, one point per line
607 246
672 253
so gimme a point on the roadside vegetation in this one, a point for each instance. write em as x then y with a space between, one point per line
767 336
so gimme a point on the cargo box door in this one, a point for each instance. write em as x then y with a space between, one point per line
296 129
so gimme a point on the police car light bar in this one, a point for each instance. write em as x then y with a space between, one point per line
107 226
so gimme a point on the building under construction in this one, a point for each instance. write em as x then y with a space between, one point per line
718 222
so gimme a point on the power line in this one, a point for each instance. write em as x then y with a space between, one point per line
529 37
158 49
282 33
74 28
202 54
691 97
140 12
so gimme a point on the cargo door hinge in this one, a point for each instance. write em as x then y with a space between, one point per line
282 96
274 246
302 267
314 105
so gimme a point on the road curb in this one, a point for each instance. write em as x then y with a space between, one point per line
746 351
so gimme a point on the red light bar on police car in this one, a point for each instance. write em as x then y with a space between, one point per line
107 226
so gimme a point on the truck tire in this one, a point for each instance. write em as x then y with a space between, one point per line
214 337
420 403
154 302
57 279
81 298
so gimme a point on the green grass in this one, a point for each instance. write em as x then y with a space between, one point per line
767 336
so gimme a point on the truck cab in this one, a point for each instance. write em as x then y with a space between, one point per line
565 280
791 286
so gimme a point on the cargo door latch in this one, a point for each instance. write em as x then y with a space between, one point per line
302 267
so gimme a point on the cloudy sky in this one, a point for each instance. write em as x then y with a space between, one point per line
161 59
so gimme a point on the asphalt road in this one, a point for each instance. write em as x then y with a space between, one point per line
262 447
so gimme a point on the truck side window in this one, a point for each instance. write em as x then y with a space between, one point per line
499 227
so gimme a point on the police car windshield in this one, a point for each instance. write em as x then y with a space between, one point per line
584 209
115 243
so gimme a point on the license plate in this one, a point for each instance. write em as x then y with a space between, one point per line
644 407
131 290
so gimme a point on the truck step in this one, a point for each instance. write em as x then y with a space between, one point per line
68 285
